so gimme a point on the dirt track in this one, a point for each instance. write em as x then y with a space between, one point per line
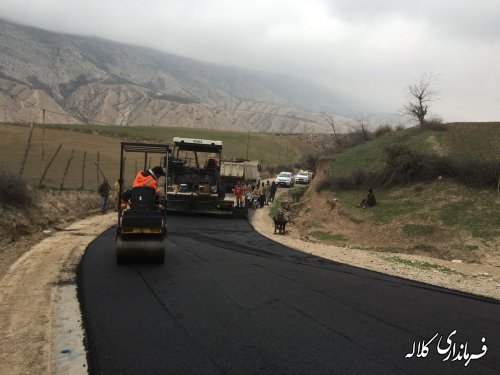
28 291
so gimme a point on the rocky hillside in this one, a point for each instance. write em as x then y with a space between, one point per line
82 79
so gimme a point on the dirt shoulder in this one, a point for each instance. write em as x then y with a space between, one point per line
28 291
478 279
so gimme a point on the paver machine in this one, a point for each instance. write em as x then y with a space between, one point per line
141 229
194 179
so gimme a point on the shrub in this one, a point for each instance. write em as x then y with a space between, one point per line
14 190
355 138
476 173
435 123
274 170
404 165
381 130
308 162
326 183
297 193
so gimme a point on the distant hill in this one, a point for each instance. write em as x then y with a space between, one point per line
98 80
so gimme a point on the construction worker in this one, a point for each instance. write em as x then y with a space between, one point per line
103 191
116 190
238 193
149 178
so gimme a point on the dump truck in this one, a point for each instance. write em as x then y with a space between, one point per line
194 179
232 172
142 227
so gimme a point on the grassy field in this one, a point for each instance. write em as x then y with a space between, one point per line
421 208
462 141
441 202
270 149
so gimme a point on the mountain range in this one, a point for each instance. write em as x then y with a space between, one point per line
91 80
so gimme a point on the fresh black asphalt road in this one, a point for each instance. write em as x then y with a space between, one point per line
230 301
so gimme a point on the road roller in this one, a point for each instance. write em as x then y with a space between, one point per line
142 228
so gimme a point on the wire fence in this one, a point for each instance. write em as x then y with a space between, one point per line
46 158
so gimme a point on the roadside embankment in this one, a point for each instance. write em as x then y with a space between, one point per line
50 211
478 279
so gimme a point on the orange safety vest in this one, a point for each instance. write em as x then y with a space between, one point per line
238 191
149 181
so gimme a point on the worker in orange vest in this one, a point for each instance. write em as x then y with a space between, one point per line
238 192
149 178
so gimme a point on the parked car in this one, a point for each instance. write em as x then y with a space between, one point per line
303 177
285 179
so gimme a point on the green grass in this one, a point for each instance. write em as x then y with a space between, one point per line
418 230
441 202
327 236
473 141
275 207
477 214
420 265
390 206
468 141
467 247
365 156
297 192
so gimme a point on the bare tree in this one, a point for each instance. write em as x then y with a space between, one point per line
421 94
361 119
330 119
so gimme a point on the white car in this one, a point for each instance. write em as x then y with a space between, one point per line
302 177
285 179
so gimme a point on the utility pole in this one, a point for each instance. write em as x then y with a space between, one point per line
279 149
248 142
43 139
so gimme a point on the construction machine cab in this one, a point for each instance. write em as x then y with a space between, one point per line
194 179
141 228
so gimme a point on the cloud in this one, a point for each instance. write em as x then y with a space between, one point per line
366 49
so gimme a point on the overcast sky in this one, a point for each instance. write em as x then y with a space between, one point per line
367 49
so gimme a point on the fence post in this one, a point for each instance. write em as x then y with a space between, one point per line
40 184
83 170
66 169
97 170
26 150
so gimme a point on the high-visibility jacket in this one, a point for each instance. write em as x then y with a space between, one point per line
238 190
149 180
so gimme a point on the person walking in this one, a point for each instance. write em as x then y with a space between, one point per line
262 199
268 192
103 191
273 190
248 196
255 197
